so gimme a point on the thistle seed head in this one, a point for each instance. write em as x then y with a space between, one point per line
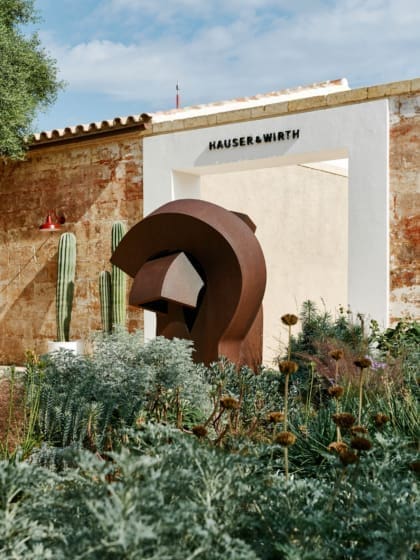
380 419
362 363
275 417
360 443
140 420
337 447
415 466
358 430
199 431
285 439
289 319
336 391
336 354
348 457
229 403
343 420
288 367
303 429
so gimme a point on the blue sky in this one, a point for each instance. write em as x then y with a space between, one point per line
122 57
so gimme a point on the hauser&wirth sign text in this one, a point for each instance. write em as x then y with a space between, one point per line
266 137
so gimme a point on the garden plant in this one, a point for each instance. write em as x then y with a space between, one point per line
138 452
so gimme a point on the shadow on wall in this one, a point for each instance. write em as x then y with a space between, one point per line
29 316
93 185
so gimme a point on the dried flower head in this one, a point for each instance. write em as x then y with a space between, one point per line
336 391
415 466
285 439
275 417
336 354
360 443
362 363
140 420
380 419
348 457
199 431
344 420
288 367
337 447
289 319
230 403
359 430
303 429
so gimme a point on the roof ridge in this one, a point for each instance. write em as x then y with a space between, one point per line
142 119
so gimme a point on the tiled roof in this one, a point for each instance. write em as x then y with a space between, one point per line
142 121
92 129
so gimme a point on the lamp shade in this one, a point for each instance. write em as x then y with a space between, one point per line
49 225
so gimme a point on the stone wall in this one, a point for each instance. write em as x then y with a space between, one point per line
405 206
93 182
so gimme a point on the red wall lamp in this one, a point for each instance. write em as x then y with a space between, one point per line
53 222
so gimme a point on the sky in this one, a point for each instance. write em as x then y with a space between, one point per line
124 57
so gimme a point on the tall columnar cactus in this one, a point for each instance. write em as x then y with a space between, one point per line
65 284
118 279
105 299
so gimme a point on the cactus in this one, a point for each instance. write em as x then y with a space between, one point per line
112 287
65 284
105 298
118 279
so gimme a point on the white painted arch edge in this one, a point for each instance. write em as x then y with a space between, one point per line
173 164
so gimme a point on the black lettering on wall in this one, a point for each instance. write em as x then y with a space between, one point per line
279 136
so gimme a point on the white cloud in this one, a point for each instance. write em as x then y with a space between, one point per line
242 47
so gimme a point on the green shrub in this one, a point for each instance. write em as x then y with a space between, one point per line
85 400
168 496
152 456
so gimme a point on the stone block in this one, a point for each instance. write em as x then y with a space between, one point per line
415 85
270 110
307 103
348 96
387 90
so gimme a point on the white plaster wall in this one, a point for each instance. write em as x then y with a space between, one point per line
301 218
174 165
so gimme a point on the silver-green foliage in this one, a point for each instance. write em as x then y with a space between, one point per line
66 270
84 399
118 278
166 496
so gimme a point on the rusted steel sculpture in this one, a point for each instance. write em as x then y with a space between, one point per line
202 270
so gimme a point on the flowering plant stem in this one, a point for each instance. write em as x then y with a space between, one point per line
286 392
359 418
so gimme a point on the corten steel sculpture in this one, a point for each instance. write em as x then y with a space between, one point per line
202 270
